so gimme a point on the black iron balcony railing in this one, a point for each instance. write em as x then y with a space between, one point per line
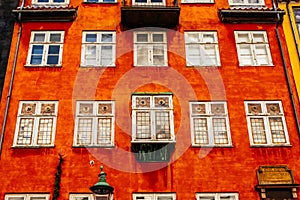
150 13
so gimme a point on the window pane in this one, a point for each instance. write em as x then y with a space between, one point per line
162 125
84 131
258 38
45 131
92 1
58 1
158 55
107 38
43 1
210 55
53 54
91 38
80 198
106 55
90 55
200 131
15 198
143 128
37 198
208 38
158 37
142 55
39 37
243 38
245 55
277 130
25 131
55 37
36 54
142 38
220 131
261 55
104 131
206 198
258 131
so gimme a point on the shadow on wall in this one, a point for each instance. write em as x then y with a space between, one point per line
6 29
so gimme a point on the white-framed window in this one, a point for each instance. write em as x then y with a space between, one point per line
87 197
217 196
246 3
149 2
27 197
36 123
202 48
50 2
266 123
253 48
94 124
154 196
150 49
45 48
98 48
152 118
209 124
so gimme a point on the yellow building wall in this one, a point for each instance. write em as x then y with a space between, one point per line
288 31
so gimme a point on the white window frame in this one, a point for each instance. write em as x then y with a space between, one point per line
152 110
246 3
150 46
216 196
209 116
265 116
46 43
253 46
36 116
95 116
50 3
201 44
98 44
152 196
26 196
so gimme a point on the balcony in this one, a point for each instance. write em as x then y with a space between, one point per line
152 152
149 13
46 13
251 15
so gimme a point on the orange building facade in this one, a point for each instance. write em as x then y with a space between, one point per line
177 100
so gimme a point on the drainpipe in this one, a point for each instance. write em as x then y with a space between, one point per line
286 70
11 79
293 28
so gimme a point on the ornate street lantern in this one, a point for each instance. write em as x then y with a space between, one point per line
102 190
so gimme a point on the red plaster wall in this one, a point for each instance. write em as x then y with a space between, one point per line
191 170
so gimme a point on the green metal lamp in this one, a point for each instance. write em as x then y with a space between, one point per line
102 190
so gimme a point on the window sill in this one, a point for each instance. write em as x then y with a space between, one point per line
204 67
199 2
257 65
212 146
269 145
150 66
31 147
43 66
93 146
153 141
97 66
115 2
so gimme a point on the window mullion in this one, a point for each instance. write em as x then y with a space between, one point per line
267 130
153 124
